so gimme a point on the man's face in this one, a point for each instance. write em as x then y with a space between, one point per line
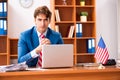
42 23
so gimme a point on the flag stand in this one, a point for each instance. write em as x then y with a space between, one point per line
101 66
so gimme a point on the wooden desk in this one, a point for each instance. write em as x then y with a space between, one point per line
76 73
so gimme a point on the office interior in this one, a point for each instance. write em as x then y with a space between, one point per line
107 26
107 21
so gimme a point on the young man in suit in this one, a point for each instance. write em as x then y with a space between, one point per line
30 43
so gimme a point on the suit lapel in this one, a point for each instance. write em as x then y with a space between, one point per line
48 33
35 38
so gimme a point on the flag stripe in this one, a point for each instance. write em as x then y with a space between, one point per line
104 56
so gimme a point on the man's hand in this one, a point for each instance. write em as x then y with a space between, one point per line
43 41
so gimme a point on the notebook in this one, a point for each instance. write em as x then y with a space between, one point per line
57 56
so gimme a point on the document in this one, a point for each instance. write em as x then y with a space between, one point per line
36 69
13 67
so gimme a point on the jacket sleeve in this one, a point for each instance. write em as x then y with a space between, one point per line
23 54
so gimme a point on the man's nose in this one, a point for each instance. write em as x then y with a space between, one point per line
43 22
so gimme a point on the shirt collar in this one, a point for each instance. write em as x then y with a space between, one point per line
43 33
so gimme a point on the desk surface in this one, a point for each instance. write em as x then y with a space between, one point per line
108 73
62 70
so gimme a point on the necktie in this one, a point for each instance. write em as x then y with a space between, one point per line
40 54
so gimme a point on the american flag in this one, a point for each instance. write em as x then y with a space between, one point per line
101 54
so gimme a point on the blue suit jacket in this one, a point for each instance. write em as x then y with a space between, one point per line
29 40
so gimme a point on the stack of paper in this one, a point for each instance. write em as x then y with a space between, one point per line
14 67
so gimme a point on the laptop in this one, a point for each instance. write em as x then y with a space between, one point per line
57 56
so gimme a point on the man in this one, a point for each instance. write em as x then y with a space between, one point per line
30 43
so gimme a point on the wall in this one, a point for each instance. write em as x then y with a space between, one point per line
21 19
107 24
118 28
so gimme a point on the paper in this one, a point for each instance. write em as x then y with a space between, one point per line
35 69
13 67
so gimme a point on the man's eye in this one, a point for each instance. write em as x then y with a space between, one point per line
39 19
46 19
